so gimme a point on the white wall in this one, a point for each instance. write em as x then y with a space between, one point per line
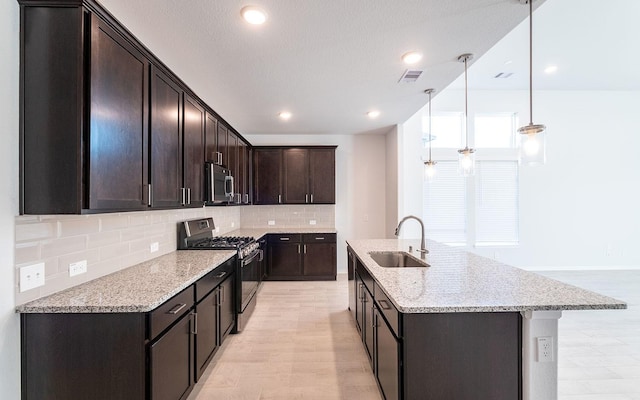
391 181
360 183
9 321
585 199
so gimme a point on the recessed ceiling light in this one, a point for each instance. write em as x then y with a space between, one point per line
551 69
284 115
411 57
373 114
253 15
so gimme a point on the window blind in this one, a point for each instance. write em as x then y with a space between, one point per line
444 205
497 202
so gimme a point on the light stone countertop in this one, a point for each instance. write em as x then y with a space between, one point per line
140 288
458 281
145 286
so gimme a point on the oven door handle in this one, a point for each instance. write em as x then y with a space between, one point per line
249 260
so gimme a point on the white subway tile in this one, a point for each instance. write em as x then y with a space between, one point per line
57 247
80 226
28 231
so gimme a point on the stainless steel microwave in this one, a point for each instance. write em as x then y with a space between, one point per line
219 184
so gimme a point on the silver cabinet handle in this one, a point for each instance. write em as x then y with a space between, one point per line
384 304
222 296
306 198
312 197
149 199
219 157
284 239
220 275
305 249
320 238
280 199
188 195
246 198
298 249
176 309
195 324
183 193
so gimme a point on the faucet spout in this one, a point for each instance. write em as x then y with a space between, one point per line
423 249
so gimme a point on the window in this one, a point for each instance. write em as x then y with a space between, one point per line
482 210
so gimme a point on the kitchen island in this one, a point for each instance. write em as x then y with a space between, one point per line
466 327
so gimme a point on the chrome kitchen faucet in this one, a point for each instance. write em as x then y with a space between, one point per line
423 249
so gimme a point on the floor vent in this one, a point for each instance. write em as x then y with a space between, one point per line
410 75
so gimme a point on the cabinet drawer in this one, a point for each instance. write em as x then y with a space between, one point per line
387 309
169 312
208 282
319 238
285 238
364 275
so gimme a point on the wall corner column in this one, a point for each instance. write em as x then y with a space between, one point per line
539 378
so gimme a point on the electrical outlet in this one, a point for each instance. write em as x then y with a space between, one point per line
271 222
545 349
77 268
312 222
153 247
233 224
31 276
217 229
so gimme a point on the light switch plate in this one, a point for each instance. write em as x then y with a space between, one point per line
31 276
312 222
77 268
271 222
153 247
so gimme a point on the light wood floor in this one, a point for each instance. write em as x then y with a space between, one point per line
301 344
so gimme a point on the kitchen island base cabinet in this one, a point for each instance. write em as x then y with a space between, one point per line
462 356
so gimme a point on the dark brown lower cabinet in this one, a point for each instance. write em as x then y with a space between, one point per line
171 361
462 356
153 355
301 256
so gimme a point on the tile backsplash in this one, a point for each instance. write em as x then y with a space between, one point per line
108 242
111 242
294 216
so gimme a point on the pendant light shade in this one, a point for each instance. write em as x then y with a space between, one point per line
429 165
466 156
533 139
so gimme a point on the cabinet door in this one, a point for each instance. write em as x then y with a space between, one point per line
207 331
295 178
232 156
320 260
211 138
368 330
386 369
227 307
166 141
221 144
194 146
118 114
243 173
267 166
322 172
171 362
284 260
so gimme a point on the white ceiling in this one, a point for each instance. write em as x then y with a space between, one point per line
329 62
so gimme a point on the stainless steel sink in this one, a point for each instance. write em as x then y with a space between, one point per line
396 259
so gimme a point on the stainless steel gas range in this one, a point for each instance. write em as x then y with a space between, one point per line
198 234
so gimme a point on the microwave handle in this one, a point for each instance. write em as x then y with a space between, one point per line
212 183
228 192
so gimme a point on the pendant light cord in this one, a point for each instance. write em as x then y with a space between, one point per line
466 112
530 62
430 132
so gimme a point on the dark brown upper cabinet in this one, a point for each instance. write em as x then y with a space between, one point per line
166 141
84 115
294 175
177 145
194 151
105 126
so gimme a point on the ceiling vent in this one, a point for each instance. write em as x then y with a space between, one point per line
503 75
410 75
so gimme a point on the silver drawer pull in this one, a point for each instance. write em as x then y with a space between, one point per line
320 238
385 305
176 309
220 275
283 238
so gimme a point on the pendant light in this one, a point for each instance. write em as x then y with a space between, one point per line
466 156
532 146
430 165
